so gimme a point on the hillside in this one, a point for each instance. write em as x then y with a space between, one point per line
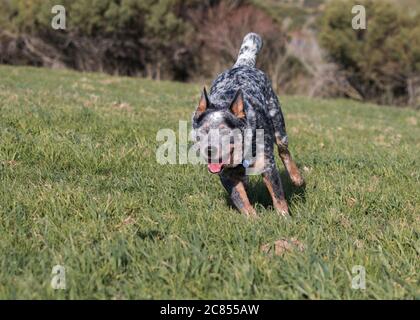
80 187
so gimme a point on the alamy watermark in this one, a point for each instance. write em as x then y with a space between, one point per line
359 20
358 282
58 281
58 22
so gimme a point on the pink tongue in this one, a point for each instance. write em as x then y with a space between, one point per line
215 167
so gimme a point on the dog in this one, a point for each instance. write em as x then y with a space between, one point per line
242 100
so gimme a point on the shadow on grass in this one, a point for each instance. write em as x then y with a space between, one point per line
259 195
150 235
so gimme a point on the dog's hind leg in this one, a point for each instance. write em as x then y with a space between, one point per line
281 140
236 187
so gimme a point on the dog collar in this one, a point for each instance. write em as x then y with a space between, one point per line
246 163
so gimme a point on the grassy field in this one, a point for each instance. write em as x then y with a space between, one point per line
80 187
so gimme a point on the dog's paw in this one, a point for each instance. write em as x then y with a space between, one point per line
297 180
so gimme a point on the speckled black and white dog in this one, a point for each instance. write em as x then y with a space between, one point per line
242 98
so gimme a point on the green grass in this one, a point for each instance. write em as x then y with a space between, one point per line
80 187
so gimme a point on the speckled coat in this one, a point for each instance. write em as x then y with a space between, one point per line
262 111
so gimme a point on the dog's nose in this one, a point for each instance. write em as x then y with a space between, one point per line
212 152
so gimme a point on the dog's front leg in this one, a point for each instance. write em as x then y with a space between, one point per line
290 166
273 182
235 186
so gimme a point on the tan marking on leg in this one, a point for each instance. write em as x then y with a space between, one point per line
259 165
280 204
279 143
291 167
247 208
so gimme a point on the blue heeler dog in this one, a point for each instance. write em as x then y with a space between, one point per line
242 99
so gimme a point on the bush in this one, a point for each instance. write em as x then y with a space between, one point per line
382 61
172 39
125 37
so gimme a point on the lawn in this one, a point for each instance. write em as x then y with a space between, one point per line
80 187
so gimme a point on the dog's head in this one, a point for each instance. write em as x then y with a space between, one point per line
219 130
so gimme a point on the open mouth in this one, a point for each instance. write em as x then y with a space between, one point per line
215 167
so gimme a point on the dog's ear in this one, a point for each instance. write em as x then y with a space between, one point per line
203 104
237 106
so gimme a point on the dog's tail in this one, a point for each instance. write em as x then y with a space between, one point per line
250 47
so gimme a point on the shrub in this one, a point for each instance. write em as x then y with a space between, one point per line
381 61
128 37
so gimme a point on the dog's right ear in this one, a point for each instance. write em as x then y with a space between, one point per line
202 105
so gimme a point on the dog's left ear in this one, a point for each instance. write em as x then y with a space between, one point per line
237 106
203 105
